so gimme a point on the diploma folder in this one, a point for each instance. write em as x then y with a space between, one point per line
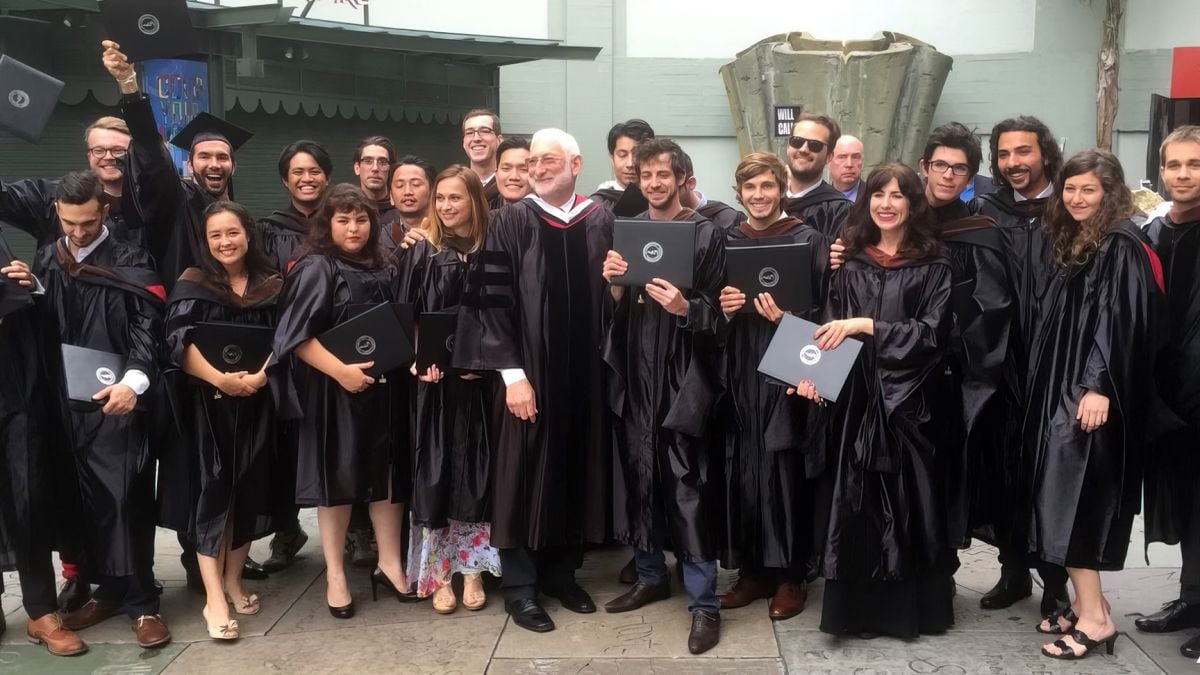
150 29
377 334
233 347
793 356
87 371
664 249
27 98
435 339
783 270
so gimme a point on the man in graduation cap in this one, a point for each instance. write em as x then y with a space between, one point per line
103 294
169 207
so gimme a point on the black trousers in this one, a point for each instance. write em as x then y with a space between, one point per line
135 593
1051 574
1189 546
35 570
526 570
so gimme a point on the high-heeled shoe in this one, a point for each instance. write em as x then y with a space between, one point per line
378 578
474 597
1068 654
225 631
1054 627
343 612
247 605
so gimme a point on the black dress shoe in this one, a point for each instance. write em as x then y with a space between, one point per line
253 571
528 614
1173 616
706 631
285 545
75 594
628 575
637 597
1191 648
1055 598
573 598
1015 584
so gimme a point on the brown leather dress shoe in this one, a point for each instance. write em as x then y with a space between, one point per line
788 600
93 612
151 631
637 597
745 591
59 640
706 631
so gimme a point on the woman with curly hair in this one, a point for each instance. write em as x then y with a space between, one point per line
1089 379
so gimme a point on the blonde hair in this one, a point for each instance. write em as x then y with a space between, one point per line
108 123
434 227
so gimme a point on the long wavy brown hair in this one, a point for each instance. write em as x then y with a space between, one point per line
439 235
1074 242
920 235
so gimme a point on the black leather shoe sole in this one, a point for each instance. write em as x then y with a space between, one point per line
534 618
1007 593
1169 624
575 601
253 571
629 602
1191 648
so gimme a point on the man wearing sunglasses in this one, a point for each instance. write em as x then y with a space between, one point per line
481 141
29 204
810 198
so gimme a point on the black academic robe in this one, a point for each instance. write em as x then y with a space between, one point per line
534 301
283 234
824 209
348 450
455 419
724 216
28 205
1173 461
491 193
768 500
221 478
1096 334
171 209
664 381
112 302
880 523
979 410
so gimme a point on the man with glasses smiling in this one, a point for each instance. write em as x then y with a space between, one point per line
810 198
481 141
29 204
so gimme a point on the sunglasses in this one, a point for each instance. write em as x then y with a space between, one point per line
798 142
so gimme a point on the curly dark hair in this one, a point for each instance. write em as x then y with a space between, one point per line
1052 158
920 232
258 265
957 136
649 150
1074 242
346 198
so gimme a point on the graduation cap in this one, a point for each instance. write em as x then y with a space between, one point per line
209 127
27 98
150 29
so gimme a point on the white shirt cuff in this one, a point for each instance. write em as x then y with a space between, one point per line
512 376
137 381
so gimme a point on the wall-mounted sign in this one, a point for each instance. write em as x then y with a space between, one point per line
785 118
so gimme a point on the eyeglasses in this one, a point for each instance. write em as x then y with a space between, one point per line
938 166
374 161
482 132
798 142
99 152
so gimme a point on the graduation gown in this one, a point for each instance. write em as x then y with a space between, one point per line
665 378
222 476
824 209
768 500
348 450
1173 461
979 410
880 514
28 205
283 233
455 419
534 301
724 216
112 302
1097 335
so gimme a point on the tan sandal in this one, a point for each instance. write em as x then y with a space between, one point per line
226 631
444 601
247 605
474 598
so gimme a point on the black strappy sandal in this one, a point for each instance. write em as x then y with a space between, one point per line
1055 627
1068 654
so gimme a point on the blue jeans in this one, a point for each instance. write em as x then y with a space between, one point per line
699 578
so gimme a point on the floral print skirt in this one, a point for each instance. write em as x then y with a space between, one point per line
435 556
